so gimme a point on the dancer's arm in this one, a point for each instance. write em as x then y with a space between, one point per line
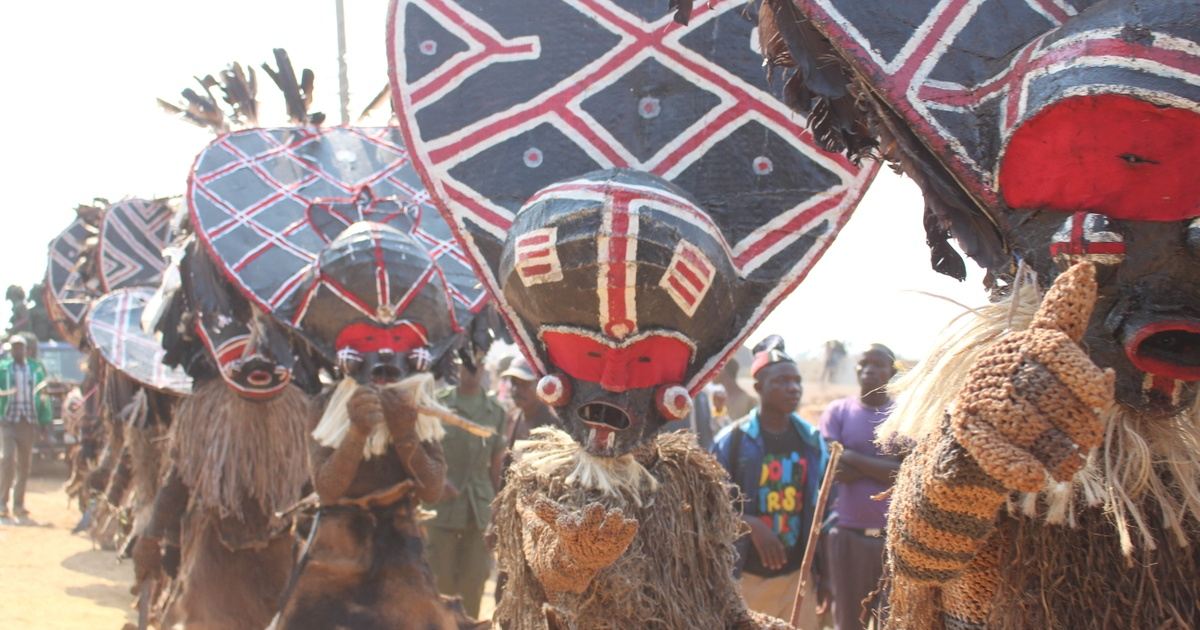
334 469
1027 413
567 549
425 461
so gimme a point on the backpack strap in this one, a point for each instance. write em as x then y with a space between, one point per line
735 450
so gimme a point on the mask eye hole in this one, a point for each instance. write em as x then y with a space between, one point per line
593 354
644 359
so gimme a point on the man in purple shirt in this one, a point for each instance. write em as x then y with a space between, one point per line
854 546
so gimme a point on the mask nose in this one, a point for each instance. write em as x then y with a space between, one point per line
615 377
386 372
386 368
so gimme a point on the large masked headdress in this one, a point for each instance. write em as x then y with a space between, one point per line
105 248
1041 133
104 294
625 288
326 230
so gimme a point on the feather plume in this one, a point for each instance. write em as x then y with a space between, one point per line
384 96
229 99
297 93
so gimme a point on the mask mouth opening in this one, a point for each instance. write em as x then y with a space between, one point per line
604 416
1167 348
259 378
386 373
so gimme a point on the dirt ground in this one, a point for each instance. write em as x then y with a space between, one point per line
54 580
51 579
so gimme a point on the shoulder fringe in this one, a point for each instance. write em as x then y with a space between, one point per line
924 394
551 453
229 449
335 422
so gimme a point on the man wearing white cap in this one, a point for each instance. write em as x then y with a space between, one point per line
529 412
22 411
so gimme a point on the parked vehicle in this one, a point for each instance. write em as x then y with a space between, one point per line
64 372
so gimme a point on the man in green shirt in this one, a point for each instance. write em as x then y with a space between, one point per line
24 412
458 554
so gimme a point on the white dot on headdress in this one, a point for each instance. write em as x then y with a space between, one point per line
428 47
649 107
763 165
533 157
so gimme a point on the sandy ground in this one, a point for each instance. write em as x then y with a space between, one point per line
53 580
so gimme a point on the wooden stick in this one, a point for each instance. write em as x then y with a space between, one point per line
814 530
462 423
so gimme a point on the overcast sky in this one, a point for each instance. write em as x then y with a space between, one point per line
80 121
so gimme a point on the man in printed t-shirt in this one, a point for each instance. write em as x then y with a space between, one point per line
777 460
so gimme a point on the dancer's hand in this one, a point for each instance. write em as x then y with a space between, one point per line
1031 405
366 409
400 410
594 538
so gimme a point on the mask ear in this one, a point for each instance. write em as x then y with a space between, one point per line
554 390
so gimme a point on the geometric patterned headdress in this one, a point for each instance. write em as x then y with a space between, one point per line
502 103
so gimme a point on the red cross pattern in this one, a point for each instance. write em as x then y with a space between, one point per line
660 39
1087 236
252 195
718 99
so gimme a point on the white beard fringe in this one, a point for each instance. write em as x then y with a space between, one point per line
551 452
335 422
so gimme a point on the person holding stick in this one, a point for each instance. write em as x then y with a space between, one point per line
777 460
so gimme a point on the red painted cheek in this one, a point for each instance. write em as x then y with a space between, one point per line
648 362
1110 154
365 337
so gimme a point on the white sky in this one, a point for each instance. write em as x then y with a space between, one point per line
80 80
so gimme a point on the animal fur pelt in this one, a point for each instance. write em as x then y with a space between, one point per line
146 447
226 589
677 572
335 422
229 449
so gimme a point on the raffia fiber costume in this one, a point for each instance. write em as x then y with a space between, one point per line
562 530
235 464
1053 558
626 289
